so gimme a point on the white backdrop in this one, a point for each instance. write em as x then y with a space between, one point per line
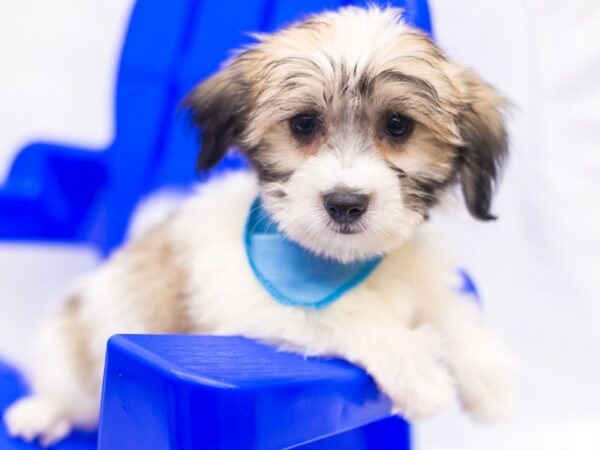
538 266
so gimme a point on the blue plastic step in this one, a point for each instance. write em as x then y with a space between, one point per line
206 392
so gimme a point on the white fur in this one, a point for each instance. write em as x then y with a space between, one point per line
155 209
405 324
59 401
300 214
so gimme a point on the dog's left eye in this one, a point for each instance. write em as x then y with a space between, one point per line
303 125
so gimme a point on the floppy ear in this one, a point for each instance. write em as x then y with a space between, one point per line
219 108
485 146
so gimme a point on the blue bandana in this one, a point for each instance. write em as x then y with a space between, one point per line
293 275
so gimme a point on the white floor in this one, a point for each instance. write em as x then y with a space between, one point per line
538 267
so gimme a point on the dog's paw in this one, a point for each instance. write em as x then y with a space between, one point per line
491 400
485 383
418 384
34 417
424 396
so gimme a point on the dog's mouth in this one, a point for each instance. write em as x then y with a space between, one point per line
345 228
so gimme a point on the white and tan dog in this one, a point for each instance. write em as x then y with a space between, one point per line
356 125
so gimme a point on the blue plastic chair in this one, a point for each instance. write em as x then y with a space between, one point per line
58 193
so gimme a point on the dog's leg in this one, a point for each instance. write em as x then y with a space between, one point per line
479 362
407 364
64 384
139 290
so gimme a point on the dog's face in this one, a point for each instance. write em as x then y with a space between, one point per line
355 124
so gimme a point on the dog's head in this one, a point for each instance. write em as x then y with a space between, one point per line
356 124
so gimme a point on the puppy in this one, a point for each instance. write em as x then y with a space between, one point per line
356 126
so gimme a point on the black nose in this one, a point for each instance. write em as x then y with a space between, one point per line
345 206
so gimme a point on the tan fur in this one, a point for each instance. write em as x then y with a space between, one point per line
76 339
152 268
292 71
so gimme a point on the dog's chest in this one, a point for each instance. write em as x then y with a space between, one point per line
226 297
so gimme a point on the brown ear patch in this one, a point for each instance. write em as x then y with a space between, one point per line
218 107
485 146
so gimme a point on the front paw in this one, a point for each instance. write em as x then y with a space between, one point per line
32 418
422 397
417 382
485 382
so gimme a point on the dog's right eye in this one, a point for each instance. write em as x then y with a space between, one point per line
399 126
303 125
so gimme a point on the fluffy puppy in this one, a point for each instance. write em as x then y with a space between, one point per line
353 103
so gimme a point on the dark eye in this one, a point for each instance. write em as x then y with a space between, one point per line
303 124
398 125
